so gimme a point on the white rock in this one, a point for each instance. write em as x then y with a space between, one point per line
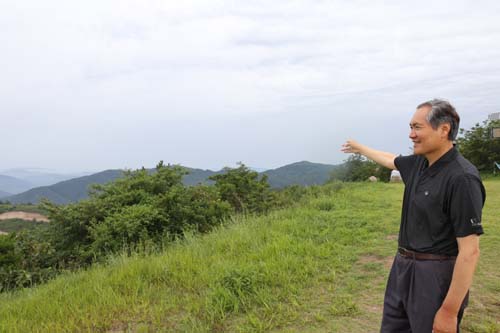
396 176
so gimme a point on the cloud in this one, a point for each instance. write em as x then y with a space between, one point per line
323 69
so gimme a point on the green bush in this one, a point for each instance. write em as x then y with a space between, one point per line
127 227
243 189
25 260
197 208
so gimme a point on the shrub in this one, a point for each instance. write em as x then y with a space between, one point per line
25 260
243 189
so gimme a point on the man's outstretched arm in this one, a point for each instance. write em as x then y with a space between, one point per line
381 157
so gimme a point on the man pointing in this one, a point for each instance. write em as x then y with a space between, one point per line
427 289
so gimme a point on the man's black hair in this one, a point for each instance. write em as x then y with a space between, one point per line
442 112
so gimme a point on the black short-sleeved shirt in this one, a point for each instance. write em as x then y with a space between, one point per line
440 203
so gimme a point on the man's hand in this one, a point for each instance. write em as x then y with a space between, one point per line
380 157
351 146
445 322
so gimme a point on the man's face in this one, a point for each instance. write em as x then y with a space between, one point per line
426 140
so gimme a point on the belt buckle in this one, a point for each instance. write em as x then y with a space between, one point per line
406 253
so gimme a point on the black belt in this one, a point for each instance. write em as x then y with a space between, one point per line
423 256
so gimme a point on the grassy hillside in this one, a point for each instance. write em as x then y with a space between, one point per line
318 267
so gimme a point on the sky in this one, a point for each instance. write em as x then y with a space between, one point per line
94 85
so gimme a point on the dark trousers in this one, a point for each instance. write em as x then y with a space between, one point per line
415 291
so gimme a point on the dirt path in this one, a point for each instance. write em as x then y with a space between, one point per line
24 216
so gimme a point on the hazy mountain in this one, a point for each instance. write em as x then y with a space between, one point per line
13 185
4 194
301 173
66 191
41 177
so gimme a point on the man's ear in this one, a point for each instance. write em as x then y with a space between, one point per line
445 130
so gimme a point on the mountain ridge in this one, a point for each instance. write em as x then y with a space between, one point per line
73 190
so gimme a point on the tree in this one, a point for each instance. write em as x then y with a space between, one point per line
243 189
479 147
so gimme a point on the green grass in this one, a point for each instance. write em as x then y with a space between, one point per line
320 266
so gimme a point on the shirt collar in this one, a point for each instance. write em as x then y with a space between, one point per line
449 156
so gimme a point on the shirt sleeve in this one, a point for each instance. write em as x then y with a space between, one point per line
466 204
405 165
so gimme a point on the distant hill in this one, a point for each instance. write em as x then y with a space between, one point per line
300 173
13 185
67 191
40 177
73 190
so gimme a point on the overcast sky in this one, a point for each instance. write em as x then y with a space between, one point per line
93 85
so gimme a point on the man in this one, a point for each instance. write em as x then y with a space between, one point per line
427 289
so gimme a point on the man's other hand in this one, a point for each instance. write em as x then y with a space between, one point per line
444 322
